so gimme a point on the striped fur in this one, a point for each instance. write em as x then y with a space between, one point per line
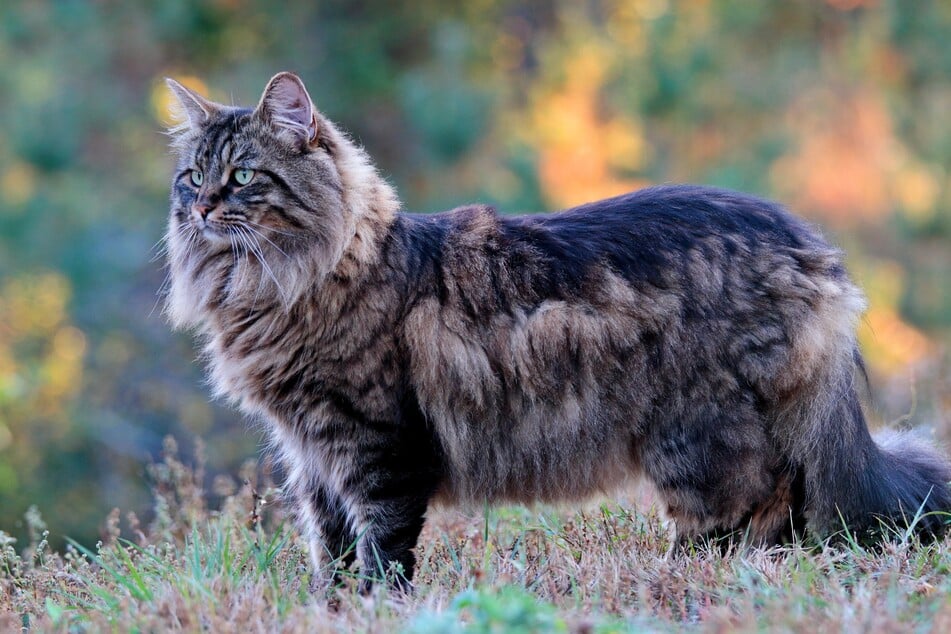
698 338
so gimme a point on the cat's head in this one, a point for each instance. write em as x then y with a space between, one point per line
277 190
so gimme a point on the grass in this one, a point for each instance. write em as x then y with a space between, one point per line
241 567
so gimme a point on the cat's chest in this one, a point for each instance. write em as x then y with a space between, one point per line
291 373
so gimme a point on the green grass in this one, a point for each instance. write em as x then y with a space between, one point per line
241 567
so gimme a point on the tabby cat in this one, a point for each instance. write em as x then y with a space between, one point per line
698 338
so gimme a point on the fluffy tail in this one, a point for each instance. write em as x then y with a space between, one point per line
854 479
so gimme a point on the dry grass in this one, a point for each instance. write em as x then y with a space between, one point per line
241 568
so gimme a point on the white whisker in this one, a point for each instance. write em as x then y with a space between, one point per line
272 229
247 254
162 290
160 247
269 241
256 249
234 251
189 240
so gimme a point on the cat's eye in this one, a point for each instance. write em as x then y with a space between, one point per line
242 175
197 178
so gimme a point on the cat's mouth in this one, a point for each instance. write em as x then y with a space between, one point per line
212 233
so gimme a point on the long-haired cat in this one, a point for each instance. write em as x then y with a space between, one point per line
699 338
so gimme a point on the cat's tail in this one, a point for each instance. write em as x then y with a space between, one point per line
866 484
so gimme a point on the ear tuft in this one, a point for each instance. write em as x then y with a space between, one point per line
286 105
196 109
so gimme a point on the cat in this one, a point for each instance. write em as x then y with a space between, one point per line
698 338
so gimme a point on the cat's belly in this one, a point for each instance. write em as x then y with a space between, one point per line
548 455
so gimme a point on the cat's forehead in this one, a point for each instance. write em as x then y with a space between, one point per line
231 133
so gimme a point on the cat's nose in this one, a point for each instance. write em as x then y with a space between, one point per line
203 207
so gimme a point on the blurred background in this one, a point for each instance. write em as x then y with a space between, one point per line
839 108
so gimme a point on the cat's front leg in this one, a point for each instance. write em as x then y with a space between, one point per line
331 539
398 476
322 514
389 532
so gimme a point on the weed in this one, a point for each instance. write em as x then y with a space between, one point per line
240 566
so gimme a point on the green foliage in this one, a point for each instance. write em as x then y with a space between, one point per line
491 611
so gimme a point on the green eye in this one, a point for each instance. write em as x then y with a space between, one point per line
197 178
242 176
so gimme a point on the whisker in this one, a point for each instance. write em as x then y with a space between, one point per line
247 254
161 292
283 233
189 239
269 241
234 250
160 247
267 267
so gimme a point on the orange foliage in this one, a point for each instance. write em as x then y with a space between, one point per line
580 151
891 345
916 188
849 167
846 152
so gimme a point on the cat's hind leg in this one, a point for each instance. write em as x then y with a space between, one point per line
720 477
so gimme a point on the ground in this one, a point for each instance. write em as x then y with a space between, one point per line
606 568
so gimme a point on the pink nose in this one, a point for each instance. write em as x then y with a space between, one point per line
203 207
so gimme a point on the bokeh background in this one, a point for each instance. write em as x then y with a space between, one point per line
839 108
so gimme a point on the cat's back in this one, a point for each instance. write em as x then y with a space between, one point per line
676 237
650 234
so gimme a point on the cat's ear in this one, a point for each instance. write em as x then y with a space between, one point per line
286 105
197 109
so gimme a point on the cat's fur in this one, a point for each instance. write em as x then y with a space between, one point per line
699 338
